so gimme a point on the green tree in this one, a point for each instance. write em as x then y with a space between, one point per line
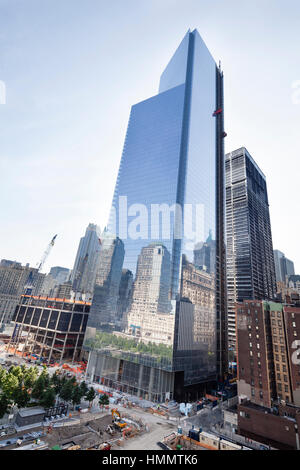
48 398
21 397
4 405
66 391
91 394
76 395
3 374
103 400
41 384
30 376
84 388
9 386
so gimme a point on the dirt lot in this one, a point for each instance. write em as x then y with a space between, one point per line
86 434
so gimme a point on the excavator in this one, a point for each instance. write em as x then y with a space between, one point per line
117 421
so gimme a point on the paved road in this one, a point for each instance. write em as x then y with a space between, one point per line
158 428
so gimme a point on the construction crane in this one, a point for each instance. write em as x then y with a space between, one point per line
46 254
30 280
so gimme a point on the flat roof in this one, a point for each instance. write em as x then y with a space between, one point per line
69 301
36 410
244 151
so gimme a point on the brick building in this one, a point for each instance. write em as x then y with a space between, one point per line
268 352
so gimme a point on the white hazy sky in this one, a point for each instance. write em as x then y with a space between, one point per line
72 70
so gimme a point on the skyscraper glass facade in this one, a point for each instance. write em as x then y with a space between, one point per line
167 207
86 263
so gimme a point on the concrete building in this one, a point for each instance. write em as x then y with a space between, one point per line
63 291
249 251
13 279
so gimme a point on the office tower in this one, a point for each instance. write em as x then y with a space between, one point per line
104 309
48 286
59 274
84 271
13 279
249 250
278 255
205 254
147 318
125 292
168 202
283 266
50 328
268 370
63 291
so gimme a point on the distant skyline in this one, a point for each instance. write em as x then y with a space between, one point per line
73 69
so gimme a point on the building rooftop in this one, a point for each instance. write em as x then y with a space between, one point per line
36 410
40 297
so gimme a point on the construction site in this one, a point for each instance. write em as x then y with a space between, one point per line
83 432
198 440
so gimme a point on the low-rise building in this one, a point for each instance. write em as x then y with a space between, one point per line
268 355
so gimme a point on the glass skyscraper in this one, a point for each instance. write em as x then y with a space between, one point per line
86 262
283 266
168 213
250 260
